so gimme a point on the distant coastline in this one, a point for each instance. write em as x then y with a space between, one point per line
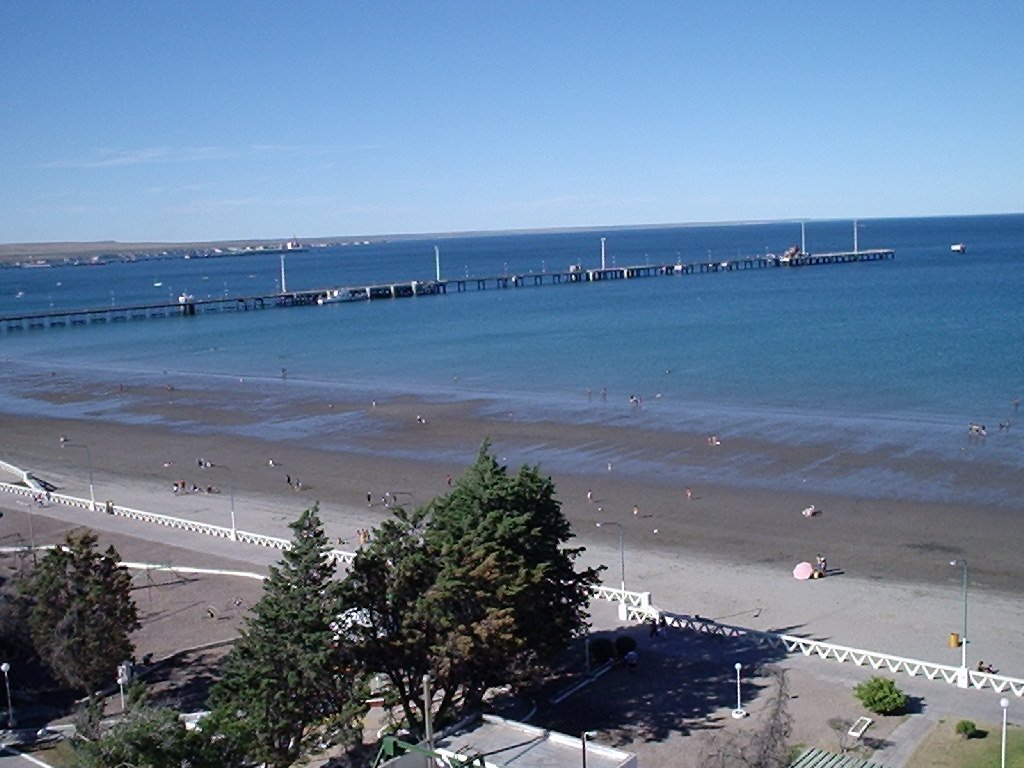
14 253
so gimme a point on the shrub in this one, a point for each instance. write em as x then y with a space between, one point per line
966 728
623 645
601 650
881 696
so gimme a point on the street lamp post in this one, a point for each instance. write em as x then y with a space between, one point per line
739 712
88 452
583 741
5 668
1004 703
962 562
622 568
231 495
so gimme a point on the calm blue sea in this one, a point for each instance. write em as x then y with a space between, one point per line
899 354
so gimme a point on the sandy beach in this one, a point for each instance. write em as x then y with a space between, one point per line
726 552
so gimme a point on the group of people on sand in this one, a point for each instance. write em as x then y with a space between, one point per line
182 487
363 536
987 668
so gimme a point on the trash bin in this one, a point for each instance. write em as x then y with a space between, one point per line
954 639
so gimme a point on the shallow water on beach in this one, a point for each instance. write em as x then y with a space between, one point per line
890 359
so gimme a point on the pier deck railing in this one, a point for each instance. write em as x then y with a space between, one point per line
634 606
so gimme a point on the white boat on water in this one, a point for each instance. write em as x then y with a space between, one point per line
331 297
958 248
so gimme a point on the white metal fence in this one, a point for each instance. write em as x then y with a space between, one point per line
193 526
638 608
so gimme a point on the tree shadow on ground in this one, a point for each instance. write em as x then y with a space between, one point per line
683 682
184 682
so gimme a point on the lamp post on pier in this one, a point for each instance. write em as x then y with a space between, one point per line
622 567
64 443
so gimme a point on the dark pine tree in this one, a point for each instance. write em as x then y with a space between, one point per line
289 686
82 612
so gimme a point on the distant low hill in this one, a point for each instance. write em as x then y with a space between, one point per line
15 252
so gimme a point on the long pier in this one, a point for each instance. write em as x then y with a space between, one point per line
187 306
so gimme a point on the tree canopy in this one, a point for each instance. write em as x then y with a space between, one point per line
289 687
476 589
82 613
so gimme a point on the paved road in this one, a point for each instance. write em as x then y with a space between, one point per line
10 758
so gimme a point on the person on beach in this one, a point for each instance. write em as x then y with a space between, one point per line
369 499
689 494
288 479
448 481
590 496
636 510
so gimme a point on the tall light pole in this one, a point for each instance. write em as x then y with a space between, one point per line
5 668
231 494
622 568
962 562
739 712
88 452
1004 703
583 742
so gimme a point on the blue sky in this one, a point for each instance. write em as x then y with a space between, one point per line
186 121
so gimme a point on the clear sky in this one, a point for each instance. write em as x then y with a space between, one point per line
185 121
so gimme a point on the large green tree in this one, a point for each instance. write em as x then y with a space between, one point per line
147 737
477 589
82 612
289 686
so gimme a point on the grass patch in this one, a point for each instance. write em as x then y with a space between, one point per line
944 748
58 755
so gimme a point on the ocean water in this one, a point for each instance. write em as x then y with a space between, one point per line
897 355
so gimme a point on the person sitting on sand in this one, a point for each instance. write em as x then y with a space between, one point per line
811 511
986 668
820 567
